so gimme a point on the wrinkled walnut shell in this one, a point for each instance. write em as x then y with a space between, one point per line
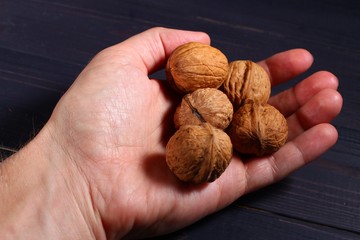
195 65
204 105
246 81
198 153
258 129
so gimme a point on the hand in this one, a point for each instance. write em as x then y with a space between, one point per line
108 134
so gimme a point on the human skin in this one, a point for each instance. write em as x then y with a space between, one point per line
97 168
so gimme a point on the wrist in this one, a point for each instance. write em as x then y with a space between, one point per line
44 196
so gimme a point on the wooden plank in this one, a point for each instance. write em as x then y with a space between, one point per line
37 71
322 193
61 33
239 222
30 88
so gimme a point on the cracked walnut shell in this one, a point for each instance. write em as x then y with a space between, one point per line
258 129
246 81
196 65
204 105
198 153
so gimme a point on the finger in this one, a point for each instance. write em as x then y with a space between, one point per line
283 66
288 101
293 155
322 108
149 50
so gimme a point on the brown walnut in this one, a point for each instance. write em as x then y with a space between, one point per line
204 105
198 153
258 129
246 81
195 65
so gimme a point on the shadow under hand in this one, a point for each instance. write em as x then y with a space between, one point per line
157 170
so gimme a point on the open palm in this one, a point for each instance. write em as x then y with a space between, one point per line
114 122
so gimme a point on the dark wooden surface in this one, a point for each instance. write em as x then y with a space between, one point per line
44 45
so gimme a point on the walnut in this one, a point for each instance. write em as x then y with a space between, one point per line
246 81
195 65
198 153
204 105
258 129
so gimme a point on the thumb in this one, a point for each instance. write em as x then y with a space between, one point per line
148 50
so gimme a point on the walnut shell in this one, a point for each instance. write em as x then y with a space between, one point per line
246 80
258 129
195 65
204 105
198 153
